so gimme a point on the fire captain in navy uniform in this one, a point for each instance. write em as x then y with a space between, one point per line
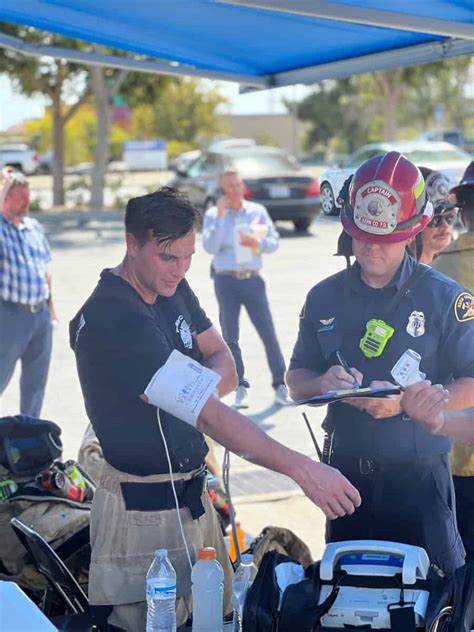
372 313
140 314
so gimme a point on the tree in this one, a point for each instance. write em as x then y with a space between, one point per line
334 112
388 87
178 109
56 78
175 108
104 89
408 96
440 83
375 106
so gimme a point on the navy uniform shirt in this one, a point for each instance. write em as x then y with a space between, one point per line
120 342
335 316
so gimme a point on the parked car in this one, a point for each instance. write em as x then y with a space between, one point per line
454 136
45 163
271 177
183 161
20 156
435 155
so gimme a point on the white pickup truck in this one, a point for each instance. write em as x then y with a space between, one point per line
20 156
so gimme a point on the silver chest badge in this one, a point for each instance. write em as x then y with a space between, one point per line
182 328
416 324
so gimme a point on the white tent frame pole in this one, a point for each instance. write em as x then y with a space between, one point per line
419 54
126 63
362 15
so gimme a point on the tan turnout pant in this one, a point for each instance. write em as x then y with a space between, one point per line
123 544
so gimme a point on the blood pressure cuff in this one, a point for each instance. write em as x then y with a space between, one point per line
159 496
182 387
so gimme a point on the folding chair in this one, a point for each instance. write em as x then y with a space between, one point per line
60 580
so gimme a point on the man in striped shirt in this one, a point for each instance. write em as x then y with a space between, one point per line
26 309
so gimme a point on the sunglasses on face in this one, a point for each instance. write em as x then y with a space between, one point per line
449 218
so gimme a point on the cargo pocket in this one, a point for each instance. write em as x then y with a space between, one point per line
151 530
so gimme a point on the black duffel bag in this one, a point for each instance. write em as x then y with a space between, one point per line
28 445
299 605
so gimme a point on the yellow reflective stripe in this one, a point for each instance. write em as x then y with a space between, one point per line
419 188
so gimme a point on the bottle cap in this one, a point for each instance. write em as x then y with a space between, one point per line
207 553
246 558
161 552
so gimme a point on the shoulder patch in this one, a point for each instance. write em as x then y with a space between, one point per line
464 307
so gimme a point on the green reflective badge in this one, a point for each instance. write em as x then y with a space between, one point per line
377 334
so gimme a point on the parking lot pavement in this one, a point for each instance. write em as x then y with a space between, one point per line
261 497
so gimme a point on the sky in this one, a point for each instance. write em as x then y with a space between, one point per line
15 108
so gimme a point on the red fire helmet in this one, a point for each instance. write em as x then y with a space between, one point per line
386 200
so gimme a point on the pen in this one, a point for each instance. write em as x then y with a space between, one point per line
347 368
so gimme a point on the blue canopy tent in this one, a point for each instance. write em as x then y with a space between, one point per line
258 43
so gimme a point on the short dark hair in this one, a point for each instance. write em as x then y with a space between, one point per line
169 215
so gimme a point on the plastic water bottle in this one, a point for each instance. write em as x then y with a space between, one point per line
243 579
161 594
208 589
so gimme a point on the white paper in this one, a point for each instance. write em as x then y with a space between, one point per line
243 254
181 387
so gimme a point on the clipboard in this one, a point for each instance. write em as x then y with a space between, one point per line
332 397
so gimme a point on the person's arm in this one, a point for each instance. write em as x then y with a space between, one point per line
325 486
271 241
217 356
457 352
304 383
213 226
51 305
427 404
378 407
459 425
461 393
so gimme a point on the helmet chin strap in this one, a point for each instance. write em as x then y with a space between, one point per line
418 246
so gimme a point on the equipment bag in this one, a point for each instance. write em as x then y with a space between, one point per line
28 445
299 609
451 602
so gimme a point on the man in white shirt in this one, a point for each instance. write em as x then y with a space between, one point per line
237 232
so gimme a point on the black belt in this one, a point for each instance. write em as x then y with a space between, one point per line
160 497
30 307
240 274
369 466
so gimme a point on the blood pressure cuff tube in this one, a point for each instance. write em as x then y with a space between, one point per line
181 387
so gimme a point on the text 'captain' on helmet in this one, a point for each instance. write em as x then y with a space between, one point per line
386 200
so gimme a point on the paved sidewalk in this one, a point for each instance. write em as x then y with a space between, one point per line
82 245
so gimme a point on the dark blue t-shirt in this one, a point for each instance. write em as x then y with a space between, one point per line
120 342
427 319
